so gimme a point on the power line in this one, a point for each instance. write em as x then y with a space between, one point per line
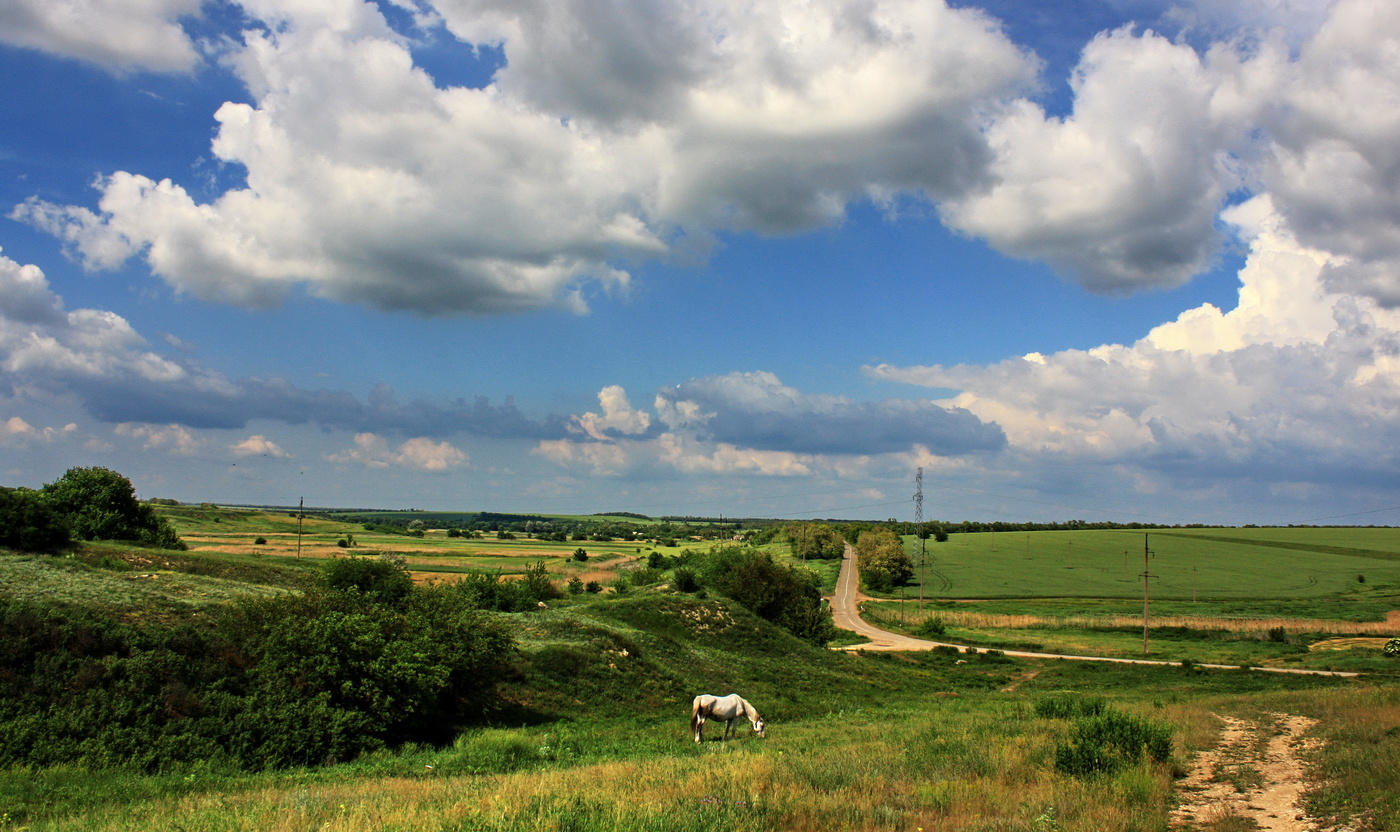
1353 514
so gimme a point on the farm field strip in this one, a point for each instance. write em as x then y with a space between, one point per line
980 620
1183 566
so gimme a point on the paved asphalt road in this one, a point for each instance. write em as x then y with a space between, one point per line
845 612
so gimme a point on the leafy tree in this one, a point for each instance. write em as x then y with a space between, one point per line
100 504
814 540
28 524
580 554
884 564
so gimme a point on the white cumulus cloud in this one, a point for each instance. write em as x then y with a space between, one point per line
121 36
613 127
419 453
1297 384
258 445
172 439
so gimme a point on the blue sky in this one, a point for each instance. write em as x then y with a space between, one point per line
1099 259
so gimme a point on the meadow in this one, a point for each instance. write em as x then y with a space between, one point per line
435 556
593 734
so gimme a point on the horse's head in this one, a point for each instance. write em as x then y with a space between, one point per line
758 726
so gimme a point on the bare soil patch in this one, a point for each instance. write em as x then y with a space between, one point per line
1253 776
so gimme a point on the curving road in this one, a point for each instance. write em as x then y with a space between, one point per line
845 613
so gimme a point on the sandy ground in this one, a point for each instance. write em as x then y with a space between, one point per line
1253 773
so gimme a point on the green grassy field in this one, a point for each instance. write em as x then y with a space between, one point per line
1186 564
595 737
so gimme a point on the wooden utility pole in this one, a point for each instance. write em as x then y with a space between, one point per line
1146 574
919 529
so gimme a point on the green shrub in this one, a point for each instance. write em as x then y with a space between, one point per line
1104 742
382 580
787 596
29 524
1392 648
684 579
931 627
580 554
283 681
1069 706
259 541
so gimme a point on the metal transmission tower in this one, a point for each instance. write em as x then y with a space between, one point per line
919 528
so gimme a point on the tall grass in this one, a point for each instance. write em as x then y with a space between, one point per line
960 765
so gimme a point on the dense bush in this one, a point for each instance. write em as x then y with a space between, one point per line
28 524
931 627
378 579
1110 739
285 681
100 504
684 579
489 591
786 596
1392 648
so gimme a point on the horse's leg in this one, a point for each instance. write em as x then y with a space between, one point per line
700 729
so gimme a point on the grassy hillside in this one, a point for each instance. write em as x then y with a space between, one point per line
592 733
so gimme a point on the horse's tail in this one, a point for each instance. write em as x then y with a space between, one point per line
695 715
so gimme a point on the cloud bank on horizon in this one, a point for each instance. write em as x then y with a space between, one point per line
617 134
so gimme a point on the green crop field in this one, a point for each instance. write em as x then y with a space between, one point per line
1185 564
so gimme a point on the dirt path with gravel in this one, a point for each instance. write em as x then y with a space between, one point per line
1254 773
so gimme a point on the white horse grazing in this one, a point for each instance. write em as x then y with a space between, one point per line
726 709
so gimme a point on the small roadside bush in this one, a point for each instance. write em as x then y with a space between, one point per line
931 627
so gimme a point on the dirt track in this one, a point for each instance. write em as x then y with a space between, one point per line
1254 773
